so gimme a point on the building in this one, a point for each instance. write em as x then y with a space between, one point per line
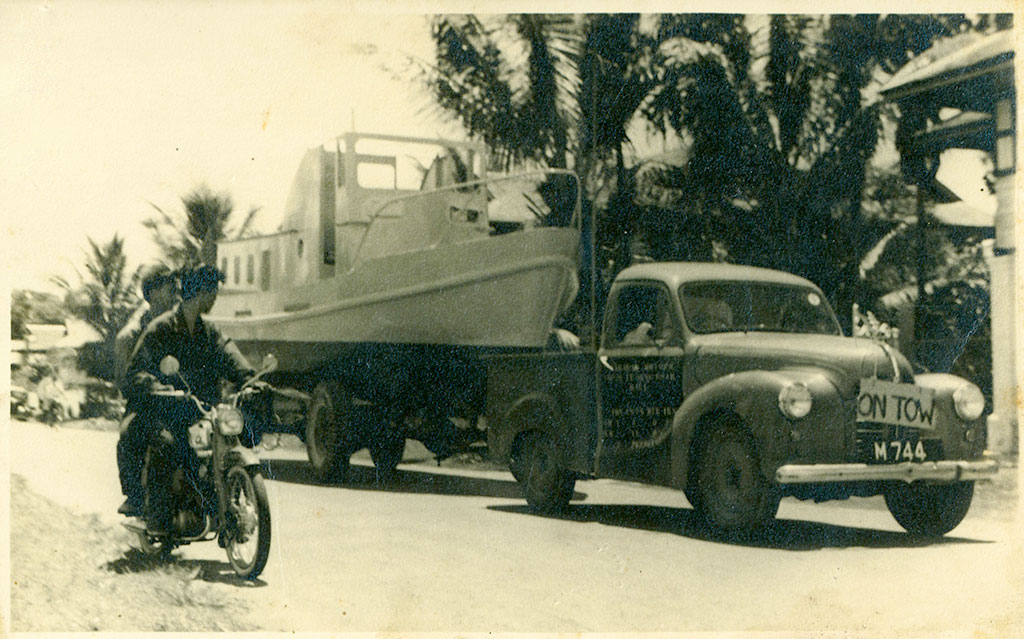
961 95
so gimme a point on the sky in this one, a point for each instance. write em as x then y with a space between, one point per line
112 108
108 108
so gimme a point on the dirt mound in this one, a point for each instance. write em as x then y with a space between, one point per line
73 573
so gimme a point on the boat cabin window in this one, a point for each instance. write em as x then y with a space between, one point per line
401 165
376 172
224 266
265 270
250 270
238 268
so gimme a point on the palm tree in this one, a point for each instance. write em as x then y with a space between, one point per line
192 241
555 90
783 114
105 296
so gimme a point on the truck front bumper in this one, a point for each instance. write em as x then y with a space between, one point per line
906 471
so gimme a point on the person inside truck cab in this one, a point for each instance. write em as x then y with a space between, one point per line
645 317
707 315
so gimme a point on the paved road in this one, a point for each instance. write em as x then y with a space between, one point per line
455 549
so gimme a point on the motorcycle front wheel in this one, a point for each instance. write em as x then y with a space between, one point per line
248 522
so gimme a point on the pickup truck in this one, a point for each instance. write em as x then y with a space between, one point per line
737 386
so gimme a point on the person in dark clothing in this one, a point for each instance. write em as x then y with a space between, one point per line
160 289
206 358
161 292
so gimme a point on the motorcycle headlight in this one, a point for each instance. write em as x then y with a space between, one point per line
795 400
229 421
969 402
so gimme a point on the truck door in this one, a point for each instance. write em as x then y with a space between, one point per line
640 376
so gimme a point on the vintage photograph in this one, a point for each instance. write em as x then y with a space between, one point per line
385 321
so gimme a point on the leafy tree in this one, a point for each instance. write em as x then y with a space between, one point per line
522 84
105 296
784 116
191 240
779 116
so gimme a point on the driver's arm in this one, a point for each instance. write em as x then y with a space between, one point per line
233 365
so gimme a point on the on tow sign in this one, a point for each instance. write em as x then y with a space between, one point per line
897 404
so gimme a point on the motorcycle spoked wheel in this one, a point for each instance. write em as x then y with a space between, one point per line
154 546
248 522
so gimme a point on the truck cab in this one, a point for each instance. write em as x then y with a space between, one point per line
737 386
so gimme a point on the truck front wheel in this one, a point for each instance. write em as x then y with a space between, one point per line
731 494
328 410
547 485
929 509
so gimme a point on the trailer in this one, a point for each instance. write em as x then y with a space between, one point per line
400 265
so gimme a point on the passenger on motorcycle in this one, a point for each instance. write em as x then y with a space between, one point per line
160 289
206 360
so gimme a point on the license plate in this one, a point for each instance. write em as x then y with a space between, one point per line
896 404
895 451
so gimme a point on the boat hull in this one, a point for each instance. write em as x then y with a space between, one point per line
495 292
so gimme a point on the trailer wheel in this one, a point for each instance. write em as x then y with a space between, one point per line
329 410
386 452
547 485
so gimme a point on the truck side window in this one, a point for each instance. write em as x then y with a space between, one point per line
644 315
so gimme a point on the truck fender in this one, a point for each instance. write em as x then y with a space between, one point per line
749 396
534 411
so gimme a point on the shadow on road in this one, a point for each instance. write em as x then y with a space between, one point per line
783 534
136 561
419 481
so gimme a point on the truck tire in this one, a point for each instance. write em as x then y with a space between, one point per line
386 451
547 485
329 410
929 509
732 496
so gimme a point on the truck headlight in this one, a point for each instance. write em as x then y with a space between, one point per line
795 400
229 421
969 402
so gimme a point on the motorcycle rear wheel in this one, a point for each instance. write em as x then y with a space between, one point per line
153 546
248 522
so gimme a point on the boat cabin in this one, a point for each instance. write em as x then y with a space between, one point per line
360 197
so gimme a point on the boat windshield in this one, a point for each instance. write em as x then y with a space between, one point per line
741 306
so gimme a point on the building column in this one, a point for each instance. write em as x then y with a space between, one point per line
1006 394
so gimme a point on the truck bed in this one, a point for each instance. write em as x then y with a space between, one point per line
556 391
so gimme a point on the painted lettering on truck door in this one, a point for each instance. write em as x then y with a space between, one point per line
641 356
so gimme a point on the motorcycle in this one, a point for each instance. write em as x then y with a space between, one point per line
219 493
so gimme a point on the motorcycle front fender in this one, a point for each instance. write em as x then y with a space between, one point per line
239 455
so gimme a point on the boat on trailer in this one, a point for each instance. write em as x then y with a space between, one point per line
400 264
361 257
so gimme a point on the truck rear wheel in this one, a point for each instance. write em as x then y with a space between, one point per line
547 485
328 411
731 494
929 509
386 452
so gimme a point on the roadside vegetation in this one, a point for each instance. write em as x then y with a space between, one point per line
76 573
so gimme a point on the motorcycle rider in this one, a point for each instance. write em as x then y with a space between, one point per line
160 290
206 358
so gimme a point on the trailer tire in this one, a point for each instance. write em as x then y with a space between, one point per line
329 410
386 451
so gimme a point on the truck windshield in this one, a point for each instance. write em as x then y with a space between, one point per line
739 306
